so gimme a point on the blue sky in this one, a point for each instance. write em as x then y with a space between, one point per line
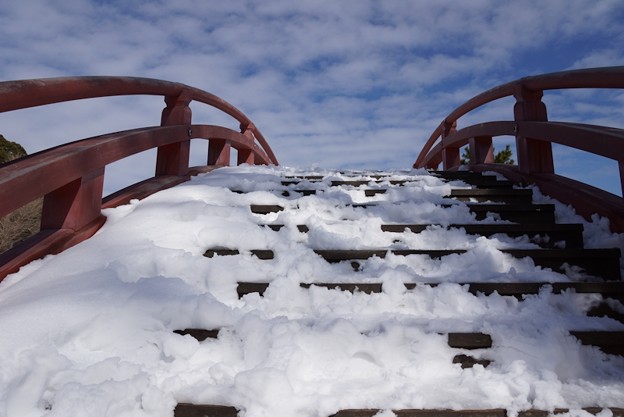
334 84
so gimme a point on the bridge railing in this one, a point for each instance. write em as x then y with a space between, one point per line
534 135
70 177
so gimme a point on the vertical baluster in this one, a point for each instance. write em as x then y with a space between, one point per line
534 156
173 159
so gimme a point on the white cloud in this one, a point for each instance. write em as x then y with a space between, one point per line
323 80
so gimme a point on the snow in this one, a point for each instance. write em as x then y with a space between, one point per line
89 332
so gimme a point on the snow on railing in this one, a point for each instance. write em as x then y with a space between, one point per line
70 177
534 137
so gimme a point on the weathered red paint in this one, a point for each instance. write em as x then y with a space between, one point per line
534 137
173 159
219 152
481 150
74 205
533 155
70 177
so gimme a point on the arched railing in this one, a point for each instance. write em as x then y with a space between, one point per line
534 137
70 177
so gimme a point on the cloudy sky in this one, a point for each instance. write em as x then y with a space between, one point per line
330 83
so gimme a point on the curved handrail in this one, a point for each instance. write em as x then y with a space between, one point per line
604 139
534 135
70 177
611 77
43 172
21 94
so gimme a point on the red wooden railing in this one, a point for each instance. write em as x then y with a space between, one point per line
70 177
534 137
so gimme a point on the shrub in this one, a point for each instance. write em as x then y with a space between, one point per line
23 222
10 150
20 224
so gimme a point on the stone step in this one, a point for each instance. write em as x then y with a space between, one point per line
570 234
475 182
610 342
510 196
506 195
617 412
199 334
263 254
548 235
518 213
611 289
604 263
204 410
456 340
525 213
605 309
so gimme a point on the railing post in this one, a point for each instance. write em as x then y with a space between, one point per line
533 155
219 152
246 156
74 205
173 159
481 150
621 164
450 154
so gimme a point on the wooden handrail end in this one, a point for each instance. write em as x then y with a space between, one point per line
43 243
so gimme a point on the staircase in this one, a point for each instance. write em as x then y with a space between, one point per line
268 291
416 262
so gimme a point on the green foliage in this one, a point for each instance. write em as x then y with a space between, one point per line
24 221
465 156
502 157
10 150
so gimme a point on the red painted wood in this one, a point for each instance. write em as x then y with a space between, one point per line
74 205
481 150
70 177
173 159
450 157
219 152
533 155
534 137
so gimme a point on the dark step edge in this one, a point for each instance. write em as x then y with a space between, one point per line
204 410
605 310
455 339
604 263
492 191
548 208
264 254
471 340
346 254
207 410
490 227
612 289
277 227
570 233
496 412
265 208
610 342
467 361
199 334
274 208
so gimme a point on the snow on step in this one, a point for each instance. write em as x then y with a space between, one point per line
105 325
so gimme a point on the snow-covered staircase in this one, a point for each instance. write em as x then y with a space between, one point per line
429 294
